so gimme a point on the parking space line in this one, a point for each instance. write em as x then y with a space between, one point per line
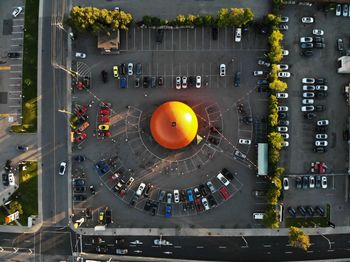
17 32
14 84
199 247
149 39
15 106
134 38
195 38
179 39
288 252
15 72
172 39
141 39
15 78
177 246
164 47
202 46
14 39
187 38
222 247
225 36
127 40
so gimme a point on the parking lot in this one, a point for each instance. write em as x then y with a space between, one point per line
323 64
130 150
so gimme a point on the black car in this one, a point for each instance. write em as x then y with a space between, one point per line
214 33
13 55
79 158
78 182
212 201
108 216
148 190
283 27
292 212
320 149
227 174
79 197
263 89
196 192
262 82
160 80
340 44
282 115
310 115
148 205
182 196
137 82
154 82
321 94
306 45
5 179
320 108
305 182
203 190
298 182
307 53
318 181
159 36
104 76
145 81
138 69
247 120
92 189
321 81
283 122
154 210
123 69
213 140
321 129
310 210
302 210
319 211
318 39
79 189
134 200
102 249
237 79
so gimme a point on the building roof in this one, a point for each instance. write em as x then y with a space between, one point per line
108 42
344 65
263 159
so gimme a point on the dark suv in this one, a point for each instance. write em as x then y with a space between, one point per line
292 212
237 79
214 33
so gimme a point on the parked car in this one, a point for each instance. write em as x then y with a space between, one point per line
176 196
284 19
311 182
345 10
282 129
292 212
319 210
317 32
196 192
161 195
238 35
244 141
237 79
190 195
211 187
308 94
227 174
308 88
323 122
80 55
222 179
340 44
302 210
258 73
321 88
285 52
283 27
308 80
285 183
138 69
222 70
130 69
324 182
284 74
321 143
282 95
321 81
318 181
282 108
306 45
16 12
62 168
307 39
205 203
298 182
338 10
184 82
307 20
224 192
145 82
282 122
307 101
263 62
115 72
321 136
140 189
305 182
198 81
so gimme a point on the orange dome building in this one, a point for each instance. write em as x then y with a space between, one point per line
174 125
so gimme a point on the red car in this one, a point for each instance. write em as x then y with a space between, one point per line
104 112
198 205
103 119
80 138
224 192
80 110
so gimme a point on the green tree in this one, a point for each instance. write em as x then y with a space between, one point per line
297 238
275 140
16 206
278 85
223 17
209 20
180 19
278 171
272 20
271 217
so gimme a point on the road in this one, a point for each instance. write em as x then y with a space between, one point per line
54 123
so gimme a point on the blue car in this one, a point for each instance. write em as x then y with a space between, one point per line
101 168
123 82
168 211
190 195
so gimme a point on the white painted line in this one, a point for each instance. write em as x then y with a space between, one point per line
16 65
16 38
15 91
222 247
17 25
15 250
16 78
288 252
310 251
6 239
267 245
244 247
330 250
17 32
15 106
199 247
14 84
177 246
288 245
156 246
15 72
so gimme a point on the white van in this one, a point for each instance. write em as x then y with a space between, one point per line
238 35
258 216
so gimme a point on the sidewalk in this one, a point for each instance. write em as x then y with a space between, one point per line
214 232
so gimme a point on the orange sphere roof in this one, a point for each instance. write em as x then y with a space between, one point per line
174 125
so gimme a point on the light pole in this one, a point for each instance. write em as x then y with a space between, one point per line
329 242
64 111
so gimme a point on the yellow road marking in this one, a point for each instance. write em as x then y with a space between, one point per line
5 67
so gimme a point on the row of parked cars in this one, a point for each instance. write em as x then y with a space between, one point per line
342 10
306 182
308 210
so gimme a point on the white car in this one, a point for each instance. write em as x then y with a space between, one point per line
162 242
238 35
308 88
222 179
176 196
222 70
308 101
205 203
283 66
321 136
284 19
184 82
283 129
282 95
80 55
307 39
258 73
211 187
284 74
11 179
308 80
178 82
282 108
321 143
285 183
198 81
285 136
285 144
140 189
285 52
308 94
338 10
130 69
311 182
17 11
307 20
307 108
321 88
62 168
318 32
324 182
244 141
323 122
